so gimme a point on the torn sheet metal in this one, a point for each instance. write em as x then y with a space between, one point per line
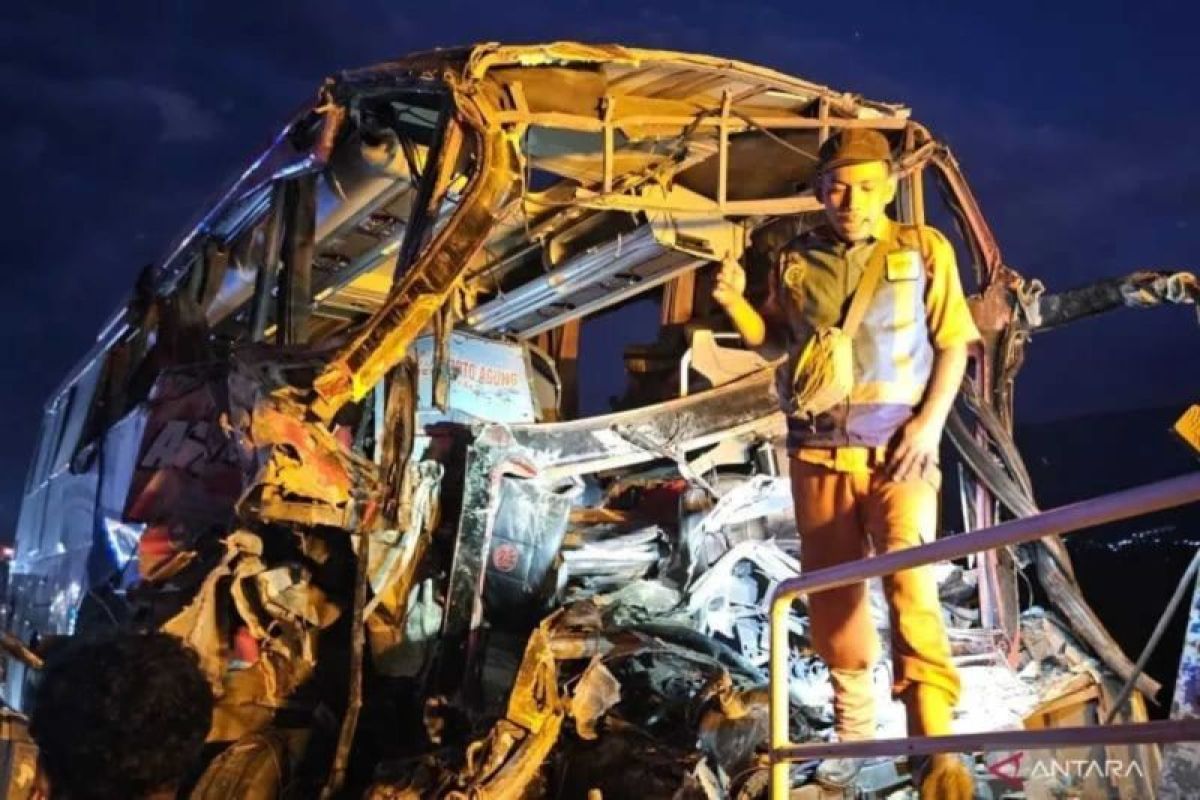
403 616
308 476
199 624
527 533
491 456
392 552
732 599
596 692
504 763
592 444
256 659
288 595
758 498
383 341
194 458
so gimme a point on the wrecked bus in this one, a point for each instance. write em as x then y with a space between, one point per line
333 440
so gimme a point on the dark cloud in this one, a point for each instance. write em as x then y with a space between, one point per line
1075 129
180 118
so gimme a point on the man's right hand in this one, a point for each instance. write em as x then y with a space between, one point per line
731 283
729 291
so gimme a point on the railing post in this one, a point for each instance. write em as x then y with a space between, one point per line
780 691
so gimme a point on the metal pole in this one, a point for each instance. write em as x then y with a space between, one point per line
779 678
295 294
268 267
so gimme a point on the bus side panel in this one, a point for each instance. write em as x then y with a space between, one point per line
70 534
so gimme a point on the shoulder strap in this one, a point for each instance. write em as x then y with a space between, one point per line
866 286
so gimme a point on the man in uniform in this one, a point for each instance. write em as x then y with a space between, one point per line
865 473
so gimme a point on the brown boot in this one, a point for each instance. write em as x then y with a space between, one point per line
947 778
854 715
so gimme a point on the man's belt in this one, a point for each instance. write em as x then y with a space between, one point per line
844 459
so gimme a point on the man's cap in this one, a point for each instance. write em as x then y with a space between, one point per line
853 146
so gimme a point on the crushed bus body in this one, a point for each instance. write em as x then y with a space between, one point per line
333 442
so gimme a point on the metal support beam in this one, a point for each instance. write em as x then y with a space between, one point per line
823 119
422 212
723 153
606 110
267 276
707 119
214 262
562 343
916 183
195 277
295 295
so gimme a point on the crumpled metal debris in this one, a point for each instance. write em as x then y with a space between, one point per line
404 616
650 659
732 598
198 625
607 559
757 498
259 646
596 692
306 477
639 601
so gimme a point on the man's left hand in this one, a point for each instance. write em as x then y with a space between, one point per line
916 449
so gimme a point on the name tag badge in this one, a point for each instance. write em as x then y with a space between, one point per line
904 265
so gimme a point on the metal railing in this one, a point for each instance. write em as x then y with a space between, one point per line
1067 519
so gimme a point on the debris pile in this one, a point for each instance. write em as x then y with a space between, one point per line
613 637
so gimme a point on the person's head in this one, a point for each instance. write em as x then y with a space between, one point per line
855 181
124 716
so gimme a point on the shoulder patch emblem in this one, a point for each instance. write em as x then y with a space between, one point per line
793 269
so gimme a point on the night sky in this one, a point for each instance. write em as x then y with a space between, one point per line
1079 132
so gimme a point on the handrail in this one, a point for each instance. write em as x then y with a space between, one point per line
685 363
1164 730
1066 519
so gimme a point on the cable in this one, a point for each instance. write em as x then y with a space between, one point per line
1159 629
